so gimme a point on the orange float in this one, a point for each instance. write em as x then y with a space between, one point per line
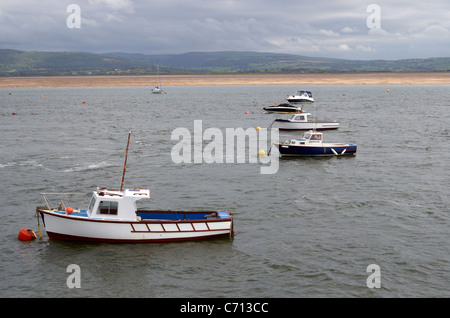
26 235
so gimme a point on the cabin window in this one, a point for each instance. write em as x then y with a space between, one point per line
107 207
315 137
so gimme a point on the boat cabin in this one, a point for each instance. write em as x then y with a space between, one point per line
115 204
309 138
299 118
304 93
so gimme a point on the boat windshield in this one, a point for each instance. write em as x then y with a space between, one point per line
91 204
297 117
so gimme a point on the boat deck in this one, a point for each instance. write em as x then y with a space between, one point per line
147 215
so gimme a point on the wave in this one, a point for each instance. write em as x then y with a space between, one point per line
89 167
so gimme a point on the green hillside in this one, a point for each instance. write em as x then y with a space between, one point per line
32 63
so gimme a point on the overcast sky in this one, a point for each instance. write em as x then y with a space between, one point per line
351 29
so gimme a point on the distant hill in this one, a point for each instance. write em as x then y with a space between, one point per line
32 63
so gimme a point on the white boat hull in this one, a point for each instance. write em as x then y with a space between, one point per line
282 124
299 100
68 227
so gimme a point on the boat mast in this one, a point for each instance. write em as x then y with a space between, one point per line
125 164
159 78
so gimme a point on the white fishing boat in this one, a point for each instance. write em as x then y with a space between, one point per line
302 121
301 97
112 216
311 144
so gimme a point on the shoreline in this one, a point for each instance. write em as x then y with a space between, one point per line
232 79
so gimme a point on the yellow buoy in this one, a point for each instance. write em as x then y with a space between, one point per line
261 153
258 128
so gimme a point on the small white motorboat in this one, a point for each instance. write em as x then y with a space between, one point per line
302 122
112 216
301 97
311 144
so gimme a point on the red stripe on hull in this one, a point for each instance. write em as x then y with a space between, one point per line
64 237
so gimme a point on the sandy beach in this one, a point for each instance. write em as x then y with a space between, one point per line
235 79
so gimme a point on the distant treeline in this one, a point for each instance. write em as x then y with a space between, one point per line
37 63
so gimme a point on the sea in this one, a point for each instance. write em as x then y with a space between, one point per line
373 225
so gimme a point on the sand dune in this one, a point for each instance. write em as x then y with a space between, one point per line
236 79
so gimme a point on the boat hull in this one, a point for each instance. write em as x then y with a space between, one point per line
285 124
283 109
297 100
322 150
61 226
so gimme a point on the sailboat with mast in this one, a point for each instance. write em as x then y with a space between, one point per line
157 89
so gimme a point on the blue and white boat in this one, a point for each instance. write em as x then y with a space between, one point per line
301 97
311 144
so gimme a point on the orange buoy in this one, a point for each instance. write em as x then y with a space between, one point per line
69 210
246 112
26 235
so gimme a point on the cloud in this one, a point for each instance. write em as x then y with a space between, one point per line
348 30
317 28
115 5
364 48
329 33
378 32
344 47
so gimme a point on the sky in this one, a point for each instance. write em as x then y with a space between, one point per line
349 29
